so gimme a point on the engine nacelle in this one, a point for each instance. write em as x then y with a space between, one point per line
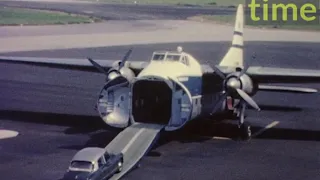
124 71
244 83
127 73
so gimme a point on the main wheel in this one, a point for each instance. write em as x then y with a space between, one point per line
245 131
120 164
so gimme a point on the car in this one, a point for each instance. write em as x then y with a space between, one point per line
94 163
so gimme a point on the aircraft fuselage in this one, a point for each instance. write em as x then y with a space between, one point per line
171 90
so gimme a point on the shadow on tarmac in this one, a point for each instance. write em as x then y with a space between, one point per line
278 108
196 131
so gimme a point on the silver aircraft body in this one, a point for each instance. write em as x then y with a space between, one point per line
173 88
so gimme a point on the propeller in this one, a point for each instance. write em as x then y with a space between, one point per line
245 69
233 84
218 71
248 99
98 66
125 58
114 72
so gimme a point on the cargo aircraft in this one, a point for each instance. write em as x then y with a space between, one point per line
173 88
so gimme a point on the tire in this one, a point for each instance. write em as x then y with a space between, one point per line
120 164
245 131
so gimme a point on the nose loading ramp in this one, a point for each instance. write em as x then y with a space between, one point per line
134 142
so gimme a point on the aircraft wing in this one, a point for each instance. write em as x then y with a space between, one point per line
283 75
286 89
271 75
69 63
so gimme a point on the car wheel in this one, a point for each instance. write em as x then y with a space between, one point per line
120 166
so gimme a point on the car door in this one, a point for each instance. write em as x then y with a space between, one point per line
98 174
103 169
108 167
111 163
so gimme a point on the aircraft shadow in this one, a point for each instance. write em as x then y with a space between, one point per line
78 124
277 108
201 131
230 130
195 131
99 133
97 139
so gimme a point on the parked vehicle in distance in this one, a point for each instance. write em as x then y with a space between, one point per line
93 163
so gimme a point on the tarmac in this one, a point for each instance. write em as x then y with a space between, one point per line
53 109
54 116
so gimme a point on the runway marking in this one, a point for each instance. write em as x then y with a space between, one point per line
5 134
271 125
221 138
215 137
125 149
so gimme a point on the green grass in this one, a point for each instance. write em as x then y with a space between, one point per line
230 19
18 16
179 2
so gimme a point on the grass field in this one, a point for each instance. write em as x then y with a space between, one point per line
18 16
230 19
181 2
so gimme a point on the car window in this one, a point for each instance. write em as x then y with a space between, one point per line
84 165
100 162
106 156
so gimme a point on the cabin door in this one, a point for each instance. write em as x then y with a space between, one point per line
181 106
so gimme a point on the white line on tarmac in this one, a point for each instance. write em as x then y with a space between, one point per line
4 134
271 125
221 138
215 137
125 149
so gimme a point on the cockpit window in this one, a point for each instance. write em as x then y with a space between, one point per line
158 57
185 60
173 57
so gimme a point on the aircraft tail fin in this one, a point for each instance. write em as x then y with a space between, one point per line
234 57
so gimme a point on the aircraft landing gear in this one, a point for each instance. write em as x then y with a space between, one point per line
245 131
244 128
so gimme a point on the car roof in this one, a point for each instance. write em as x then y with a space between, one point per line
90 154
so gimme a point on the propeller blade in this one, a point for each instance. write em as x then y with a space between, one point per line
244 70
125 58
219 72
98 66
222 97
248 99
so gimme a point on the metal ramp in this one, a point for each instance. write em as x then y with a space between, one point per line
133 142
